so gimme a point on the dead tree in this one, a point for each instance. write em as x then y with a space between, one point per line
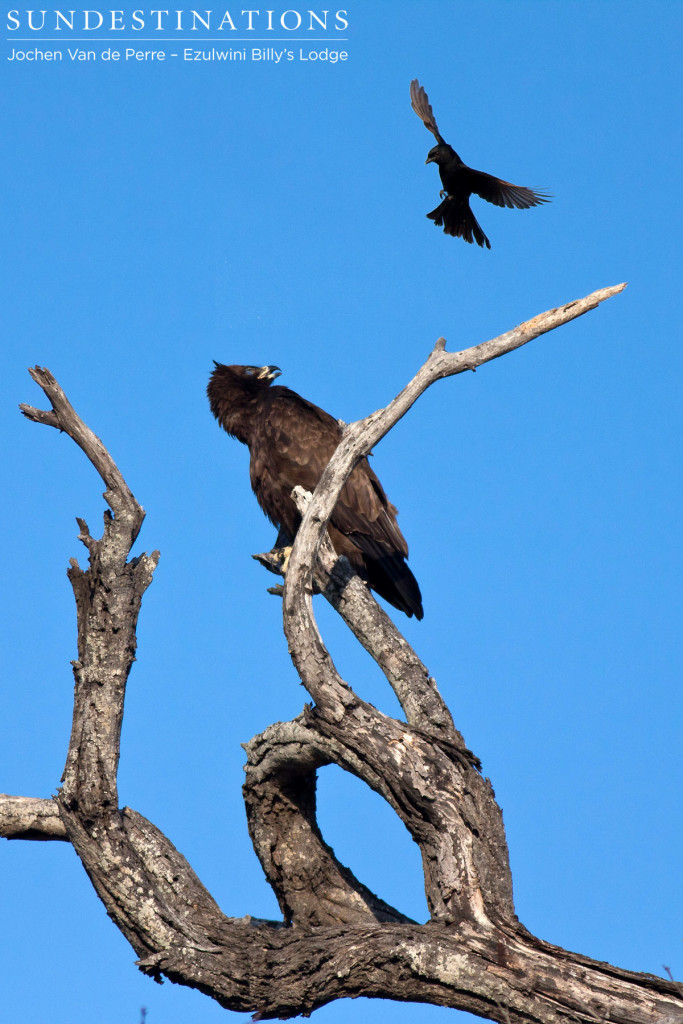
335 938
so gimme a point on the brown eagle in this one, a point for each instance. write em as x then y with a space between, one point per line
290 442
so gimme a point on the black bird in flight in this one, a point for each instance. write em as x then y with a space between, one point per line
460 181
290 441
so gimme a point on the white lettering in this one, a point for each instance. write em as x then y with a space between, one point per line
69 24
290 28
196 18
87 26
35 28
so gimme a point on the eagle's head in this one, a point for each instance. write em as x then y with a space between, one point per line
235 394
264 374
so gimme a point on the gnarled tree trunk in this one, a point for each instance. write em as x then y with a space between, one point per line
336 938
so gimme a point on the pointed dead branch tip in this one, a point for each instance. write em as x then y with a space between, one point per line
302 498
85 536
83 526
600 295
593 301
440 345
607 293
570 310
41 375
143 567
45 416
153 559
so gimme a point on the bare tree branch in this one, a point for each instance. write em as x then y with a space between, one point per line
64 417
466 867
312 887
25 817
410 680
308 653
337 939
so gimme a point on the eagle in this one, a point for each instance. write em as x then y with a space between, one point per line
460 181
290 442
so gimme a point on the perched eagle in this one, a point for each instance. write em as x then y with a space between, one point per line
290 442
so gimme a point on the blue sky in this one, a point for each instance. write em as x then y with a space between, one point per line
159 216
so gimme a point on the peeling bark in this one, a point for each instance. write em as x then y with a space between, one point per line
336 938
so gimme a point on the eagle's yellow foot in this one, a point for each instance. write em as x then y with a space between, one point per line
282 555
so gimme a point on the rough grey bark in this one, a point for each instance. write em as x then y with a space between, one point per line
336 938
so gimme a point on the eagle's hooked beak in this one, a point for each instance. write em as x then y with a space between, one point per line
269 372
430 160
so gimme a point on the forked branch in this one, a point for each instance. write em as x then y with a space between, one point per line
336 938
359 439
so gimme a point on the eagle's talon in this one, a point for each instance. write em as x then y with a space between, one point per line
282 555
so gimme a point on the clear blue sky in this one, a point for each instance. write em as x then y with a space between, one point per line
159 216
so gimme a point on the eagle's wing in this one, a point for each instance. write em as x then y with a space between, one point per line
300 439
363 509
292 443
372 541
297 441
